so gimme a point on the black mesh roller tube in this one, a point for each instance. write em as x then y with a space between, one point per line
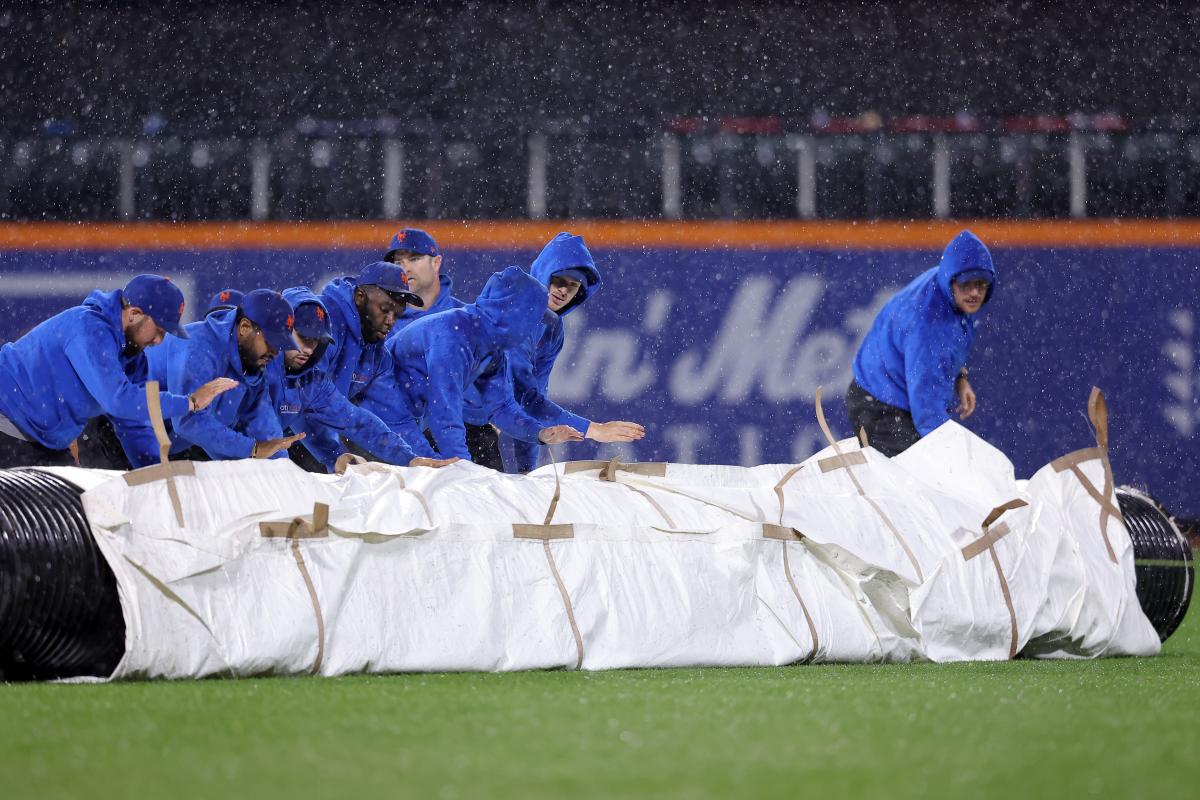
60 616
1162 560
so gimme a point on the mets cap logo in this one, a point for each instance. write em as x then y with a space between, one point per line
320 314
291 322
224 296
181 304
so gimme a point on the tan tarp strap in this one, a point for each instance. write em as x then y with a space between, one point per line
546 532
783 536
787 476
298 527
842 462
1064 463
653 469
165 470
1106 497
862 493
295 530
862 438
158 472
543 532
987 542
662 512
779 533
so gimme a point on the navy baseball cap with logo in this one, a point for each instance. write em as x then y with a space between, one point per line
159 299
226 298
312 322
391 278
414 239
273 315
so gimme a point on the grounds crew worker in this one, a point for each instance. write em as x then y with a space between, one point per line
565 267
306 401
910 371
87 361
236 343
440 357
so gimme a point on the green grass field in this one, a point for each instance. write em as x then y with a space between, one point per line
1113 728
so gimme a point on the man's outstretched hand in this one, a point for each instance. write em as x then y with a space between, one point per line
209 391
559 434
269 447
615 431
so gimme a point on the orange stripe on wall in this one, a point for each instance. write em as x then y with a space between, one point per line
480 235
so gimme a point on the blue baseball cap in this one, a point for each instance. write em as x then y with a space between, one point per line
416 240
158 299
312 322
226 298
391 278
273 315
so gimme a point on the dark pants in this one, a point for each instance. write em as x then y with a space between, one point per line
890 430
16 452
99 447
483 443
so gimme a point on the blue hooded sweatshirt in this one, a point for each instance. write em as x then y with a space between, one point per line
444 302
354 366
438 359
920 340
533 361
236 419
73 367
307 401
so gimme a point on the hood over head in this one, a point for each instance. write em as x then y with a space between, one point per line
312 322
567 252
965 254
510 307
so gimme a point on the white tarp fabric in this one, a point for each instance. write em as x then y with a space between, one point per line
850 557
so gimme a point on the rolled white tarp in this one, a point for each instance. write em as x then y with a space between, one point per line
938 554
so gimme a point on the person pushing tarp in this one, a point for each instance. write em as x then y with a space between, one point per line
910 372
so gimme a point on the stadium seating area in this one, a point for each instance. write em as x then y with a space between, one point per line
674 109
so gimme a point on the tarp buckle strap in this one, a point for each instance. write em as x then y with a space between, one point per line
166 469
787 476
609 469
784 535
846 464
842 462
294 530
1106 498
544 533
987 543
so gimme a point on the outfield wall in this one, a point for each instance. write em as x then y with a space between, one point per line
716 335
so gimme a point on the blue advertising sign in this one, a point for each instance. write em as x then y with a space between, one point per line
720 352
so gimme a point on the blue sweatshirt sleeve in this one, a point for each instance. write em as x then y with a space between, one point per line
928 377
98 367
502 408
194 367
448 365
262 423
531 365
329 411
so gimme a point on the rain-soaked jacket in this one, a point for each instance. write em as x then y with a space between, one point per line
438 358
73 367
308 402
236 419
920 340
354 366
533 360
444 302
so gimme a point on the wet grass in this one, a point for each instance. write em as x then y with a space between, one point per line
1113 728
